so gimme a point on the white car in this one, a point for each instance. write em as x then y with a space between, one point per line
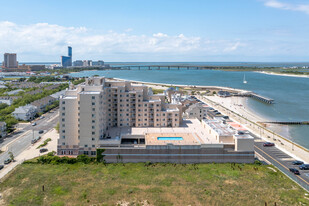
33 124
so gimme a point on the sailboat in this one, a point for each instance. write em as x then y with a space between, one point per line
245 82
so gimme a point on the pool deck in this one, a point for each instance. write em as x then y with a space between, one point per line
190 130
188 139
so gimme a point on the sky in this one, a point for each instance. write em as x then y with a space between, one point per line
156 30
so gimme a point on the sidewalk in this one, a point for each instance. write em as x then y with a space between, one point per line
32 151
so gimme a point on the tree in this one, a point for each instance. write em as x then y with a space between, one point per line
11 156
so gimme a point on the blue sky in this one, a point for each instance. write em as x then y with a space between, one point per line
156 30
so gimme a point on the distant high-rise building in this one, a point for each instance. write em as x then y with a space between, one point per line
78 63
66 61
69 51
10 60
98 63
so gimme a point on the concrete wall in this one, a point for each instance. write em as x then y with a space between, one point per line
244 144
177 155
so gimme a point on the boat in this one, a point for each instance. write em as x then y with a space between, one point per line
245 82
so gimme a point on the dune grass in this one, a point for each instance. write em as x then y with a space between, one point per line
156 184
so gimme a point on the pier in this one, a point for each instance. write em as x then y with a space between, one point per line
257 97
290 123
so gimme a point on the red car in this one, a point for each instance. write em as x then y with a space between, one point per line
268 144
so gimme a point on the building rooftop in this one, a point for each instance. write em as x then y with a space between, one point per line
191 131
218 126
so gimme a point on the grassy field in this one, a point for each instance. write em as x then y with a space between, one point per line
159 184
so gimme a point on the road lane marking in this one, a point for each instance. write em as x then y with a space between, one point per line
281 164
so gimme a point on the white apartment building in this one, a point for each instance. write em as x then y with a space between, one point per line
90 110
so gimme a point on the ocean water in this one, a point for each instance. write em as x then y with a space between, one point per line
291 94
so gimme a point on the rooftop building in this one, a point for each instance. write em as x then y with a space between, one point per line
10 60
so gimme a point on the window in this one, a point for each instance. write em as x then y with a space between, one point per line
63 102
145 105
63 143
92 132
93 153
63 108
93 127
63 114
86 145
93 97
93 109
63 131
92 139
62 119
63 137
85 152
93 121
93 103
93 115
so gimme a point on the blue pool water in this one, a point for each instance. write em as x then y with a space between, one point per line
169 138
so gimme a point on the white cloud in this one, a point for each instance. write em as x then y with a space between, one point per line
287 6
44 42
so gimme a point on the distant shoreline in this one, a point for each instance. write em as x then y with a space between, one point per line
280 74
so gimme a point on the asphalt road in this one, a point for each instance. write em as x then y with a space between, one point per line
282 161
21 140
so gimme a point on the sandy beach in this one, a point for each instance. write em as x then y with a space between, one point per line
287 75
240 106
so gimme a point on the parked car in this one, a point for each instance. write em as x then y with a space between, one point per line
297 162
33 124
7 161
1 167
268 144
43 150
304 167
42 117
41 131
295 171
35 140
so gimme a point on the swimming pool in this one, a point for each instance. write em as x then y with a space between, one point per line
169 138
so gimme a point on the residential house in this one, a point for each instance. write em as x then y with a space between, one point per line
26 113
40 104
